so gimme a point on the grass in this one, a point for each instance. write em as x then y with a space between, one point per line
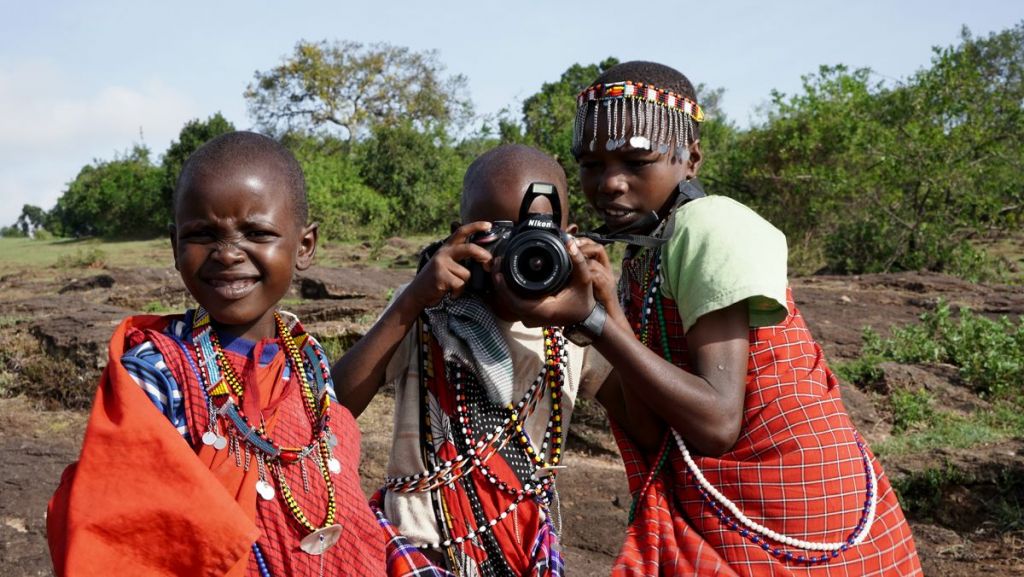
944 430
31 255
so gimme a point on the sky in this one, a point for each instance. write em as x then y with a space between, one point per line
85 81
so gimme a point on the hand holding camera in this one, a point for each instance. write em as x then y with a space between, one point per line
532 254
446 272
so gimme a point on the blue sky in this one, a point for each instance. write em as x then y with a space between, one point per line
85 80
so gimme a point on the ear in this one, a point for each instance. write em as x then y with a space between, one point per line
307 246
572 229
695 160
173 233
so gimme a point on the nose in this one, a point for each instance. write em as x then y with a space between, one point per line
613 182
228 252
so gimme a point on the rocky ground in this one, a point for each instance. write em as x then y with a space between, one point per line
56 325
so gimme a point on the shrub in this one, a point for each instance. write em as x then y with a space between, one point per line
988 353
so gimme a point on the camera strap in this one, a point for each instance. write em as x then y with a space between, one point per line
623 235
686 191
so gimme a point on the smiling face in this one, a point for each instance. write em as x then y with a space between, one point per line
627 183
237 242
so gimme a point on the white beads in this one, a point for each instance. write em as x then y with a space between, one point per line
723 501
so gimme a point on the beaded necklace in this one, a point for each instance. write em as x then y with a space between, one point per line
479 450
225 392
727 511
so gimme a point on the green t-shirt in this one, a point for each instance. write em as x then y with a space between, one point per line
720 252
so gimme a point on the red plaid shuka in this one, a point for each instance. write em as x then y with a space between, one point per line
795 469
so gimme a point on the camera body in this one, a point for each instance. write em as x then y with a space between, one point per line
534 260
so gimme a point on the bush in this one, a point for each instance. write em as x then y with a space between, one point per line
83 258
988 353
339 201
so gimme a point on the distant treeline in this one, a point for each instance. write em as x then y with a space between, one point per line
862 174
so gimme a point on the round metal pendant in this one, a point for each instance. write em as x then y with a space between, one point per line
320 540
332 440
334 465
209 437
640 142
265 490
220 443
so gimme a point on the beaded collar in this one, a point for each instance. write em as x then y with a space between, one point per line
224 392
479 450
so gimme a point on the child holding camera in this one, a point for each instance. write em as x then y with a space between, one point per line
740 454
482 403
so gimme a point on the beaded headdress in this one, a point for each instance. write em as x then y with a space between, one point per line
660 120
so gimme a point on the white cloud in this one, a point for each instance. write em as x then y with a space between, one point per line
50 128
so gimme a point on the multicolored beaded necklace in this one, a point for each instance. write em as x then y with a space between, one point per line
225 393
479 450
728 512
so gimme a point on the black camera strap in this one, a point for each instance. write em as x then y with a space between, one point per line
686 191
623 235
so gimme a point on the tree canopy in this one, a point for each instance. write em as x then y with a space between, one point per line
347 88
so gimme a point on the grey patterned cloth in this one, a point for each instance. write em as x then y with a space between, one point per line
467 332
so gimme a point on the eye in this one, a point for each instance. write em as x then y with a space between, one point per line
640 161
260 235
196 236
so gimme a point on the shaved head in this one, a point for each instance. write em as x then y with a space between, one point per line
239 150
496 182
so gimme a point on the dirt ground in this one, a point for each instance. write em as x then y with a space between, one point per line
66 317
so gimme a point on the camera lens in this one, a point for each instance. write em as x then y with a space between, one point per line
537 263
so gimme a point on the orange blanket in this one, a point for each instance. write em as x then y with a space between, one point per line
139 502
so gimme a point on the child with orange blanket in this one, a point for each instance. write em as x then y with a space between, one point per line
214 446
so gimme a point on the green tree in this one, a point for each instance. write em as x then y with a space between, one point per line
120 198
345 207
347 88
31 219
865 176
194 134
419 173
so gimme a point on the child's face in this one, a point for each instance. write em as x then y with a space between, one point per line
237 242
626 184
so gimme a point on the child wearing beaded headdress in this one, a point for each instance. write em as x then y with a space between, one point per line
740 455
214 446
482 403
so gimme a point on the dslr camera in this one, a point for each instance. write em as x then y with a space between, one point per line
534 260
